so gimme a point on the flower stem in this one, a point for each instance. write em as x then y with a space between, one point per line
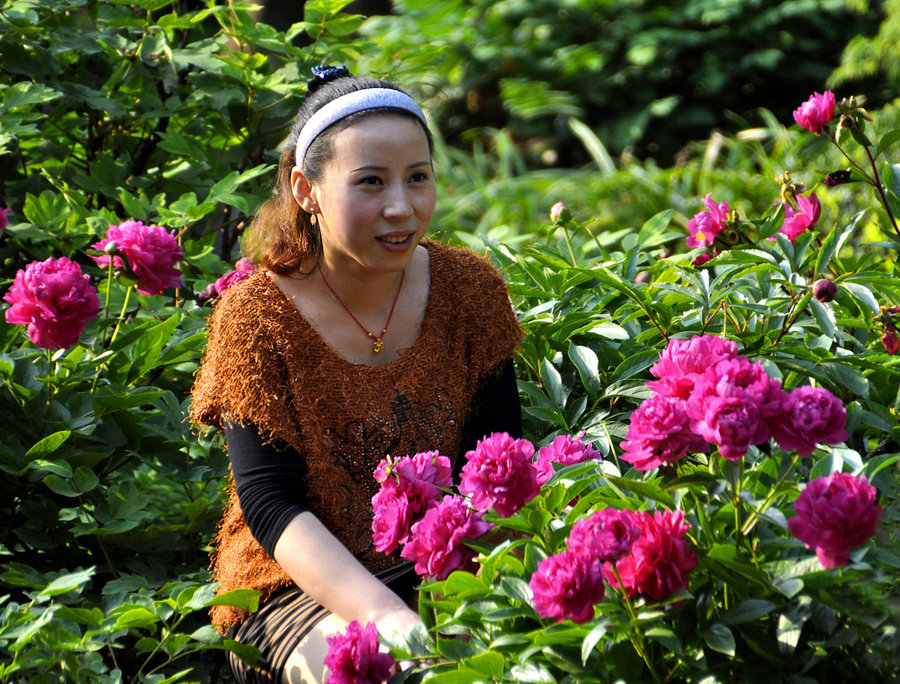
121 315
756 514
880 190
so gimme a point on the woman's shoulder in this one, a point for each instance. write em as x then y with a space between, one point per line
462 268
252 304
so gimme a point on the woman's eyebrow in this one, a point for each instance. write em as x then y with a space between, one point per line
375 167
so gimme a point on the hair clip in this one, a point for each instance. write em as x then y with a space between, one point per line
324 73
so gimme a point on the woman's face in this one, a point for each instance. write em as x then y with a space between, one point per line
376 196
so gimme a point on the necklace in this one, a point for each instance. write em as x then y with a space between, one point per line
377 344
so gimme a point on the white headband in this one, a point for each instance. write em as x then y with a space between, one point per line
344 106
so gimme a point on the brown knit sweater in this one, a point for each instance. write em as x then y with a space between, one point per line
266 365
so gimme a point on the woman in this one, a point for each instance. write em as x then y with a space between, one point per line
354 340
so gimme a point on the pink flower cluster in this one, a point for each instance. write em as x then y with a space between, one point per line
409 487
816 112
708 394
835 514
54 300
149 253
353 657
499 474
706 225
243 269
437 541
564 450
644 553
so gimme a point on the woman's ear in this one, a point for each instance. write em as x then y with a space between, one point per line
303 191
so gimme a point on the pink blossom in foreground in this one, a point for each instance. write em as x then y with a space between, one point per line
835 514
810 416
353 657
607 535
54 300
683 361
437 541
499 474
706 225
3 220
797 221
660 432
409 486
660 559
565 450
816 112
567 585
150 252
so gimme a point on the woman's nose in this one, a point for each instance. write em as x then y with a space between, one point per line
398 203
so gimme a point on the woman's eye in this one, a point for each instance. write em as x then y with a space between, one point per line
419 177
370 180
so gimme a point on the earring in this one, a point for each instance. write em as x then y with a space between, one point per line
313 220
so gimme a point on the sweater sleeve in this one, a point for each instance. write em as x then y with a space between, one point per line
495 408
269 480
243 374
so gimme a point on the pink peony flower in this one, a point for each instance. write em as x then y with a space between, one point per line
437 541
659 559
565 450
392 520
607 535
816 112
54 300
683 361
567 585
409 487
835 514
3 220
733 424
706 225
810 416
149 252
660 432
353 657
733 405
500 474
796 221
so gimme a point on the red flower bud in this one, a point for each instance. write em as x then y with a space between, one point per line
701 259
824 290
837 178
890 342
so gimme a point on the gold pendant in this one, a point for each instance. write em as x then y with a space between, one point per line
377 345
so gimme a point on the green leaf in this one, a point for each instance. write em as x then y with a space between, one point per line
136 617
48 445
824 315
515 588
552 382
886 141
747 610
68 582
666 637
585 360
719 638
594 146
462 675
592 639
645 489
246 599
490 663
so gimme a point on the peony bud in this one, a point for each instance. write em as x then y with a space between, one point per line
837 178
111 248
701 259
560 212
824 290
891 342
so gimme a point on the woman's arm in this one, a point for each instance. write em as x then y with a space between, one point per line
271 490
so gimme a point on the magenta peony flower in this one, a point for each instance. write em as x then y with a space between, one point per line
683 361
393 518
567 585
605 536
660 432
734 404
149 252
54 300
816 112
409 487
565 450
701 259
353 657
835 514
437 541
706 225
796 221
810 416
659 559
3 220
500 474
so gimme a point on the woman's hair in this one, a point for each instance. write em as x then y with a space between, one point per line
282 236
